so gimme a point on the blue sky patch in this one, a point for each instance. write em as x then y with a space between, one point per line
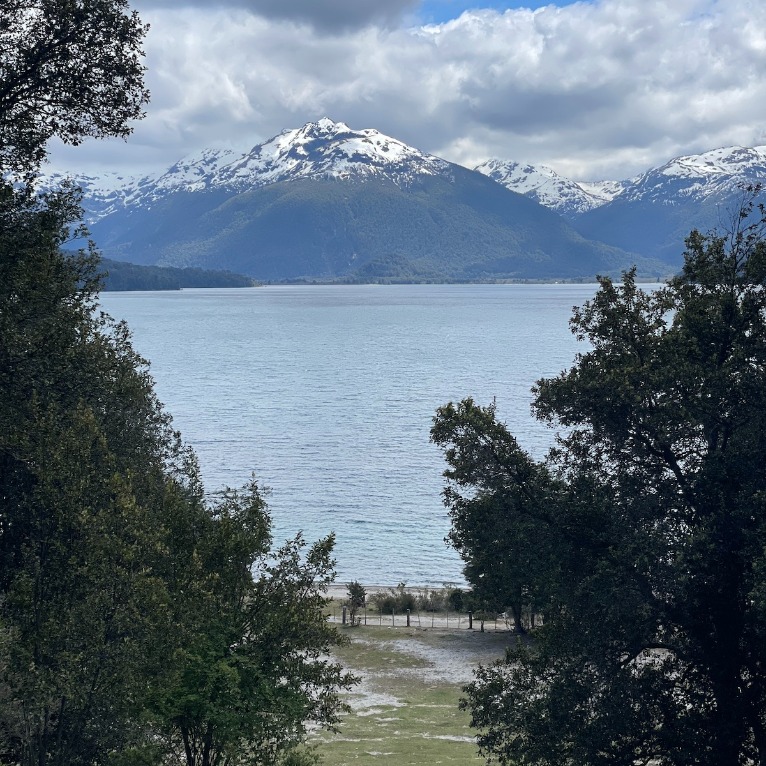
438 11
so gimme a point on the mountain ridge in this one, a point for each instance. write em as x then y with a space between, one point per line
710 173
322 149
242 210
356 153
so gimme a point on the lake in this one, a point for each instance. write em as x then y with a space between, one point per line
327 394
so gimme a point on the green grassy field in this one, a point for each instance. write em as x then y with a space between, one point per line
405 710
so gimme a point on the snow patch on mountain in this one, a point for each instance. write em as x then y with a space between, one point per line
323 149
716 173
605 191
547 187
328 149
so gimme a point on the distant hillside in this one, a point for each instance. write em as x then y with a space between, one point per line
465 227
653 213
657 210
331 203
121 276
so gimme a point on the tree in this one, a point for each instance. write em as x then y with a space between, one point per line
357 598
68 68
500 526
130 617
653 650
85 449
253 669
87 459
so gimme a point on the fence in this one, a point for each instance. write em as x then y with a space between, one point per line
422 619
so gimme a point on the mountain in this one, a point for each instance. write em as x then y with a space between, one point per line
328 202
653 213
547 187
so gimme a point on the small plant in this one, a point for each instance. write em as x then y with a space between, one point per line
357 598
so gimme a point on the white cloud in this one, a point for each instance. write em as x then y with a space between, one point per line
594 89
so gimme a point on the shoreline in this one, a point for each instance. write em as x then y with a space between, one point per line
339 590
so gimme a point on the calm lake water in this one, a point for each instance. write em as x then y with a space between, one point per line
327 393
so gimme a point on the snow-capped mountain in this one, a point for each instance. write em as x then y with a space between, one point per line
717 173
323 149
337 199
547 187
654 213
325 201
327 149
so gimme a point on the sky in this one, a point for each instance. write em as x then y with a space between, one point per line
595 89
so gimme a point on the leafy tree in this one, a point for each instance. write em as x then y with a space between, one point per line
357 598
253 669
68 68
86 456
498 502
653 650
130 618
83 442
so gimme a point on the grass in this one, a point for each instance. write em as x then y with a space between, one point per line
405 711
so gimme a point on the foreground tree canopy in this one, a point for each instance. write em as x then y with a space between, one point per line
642 537
70 69
140 623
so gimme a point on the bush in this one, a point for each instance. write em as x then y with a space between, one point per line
395 600
398 600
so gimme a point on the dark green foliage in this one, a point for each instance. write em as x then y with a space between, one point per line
134 617
653 648
501 525
70 69
465 227
84 446
85 454
252 670
357 599
120 276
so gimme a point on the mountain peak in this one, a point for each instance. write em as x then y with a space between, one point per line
547 187
716 173
324 126
319 150
322 149
332 149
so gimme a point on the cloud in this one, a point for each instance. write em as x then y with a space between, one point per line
326 16
596 90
